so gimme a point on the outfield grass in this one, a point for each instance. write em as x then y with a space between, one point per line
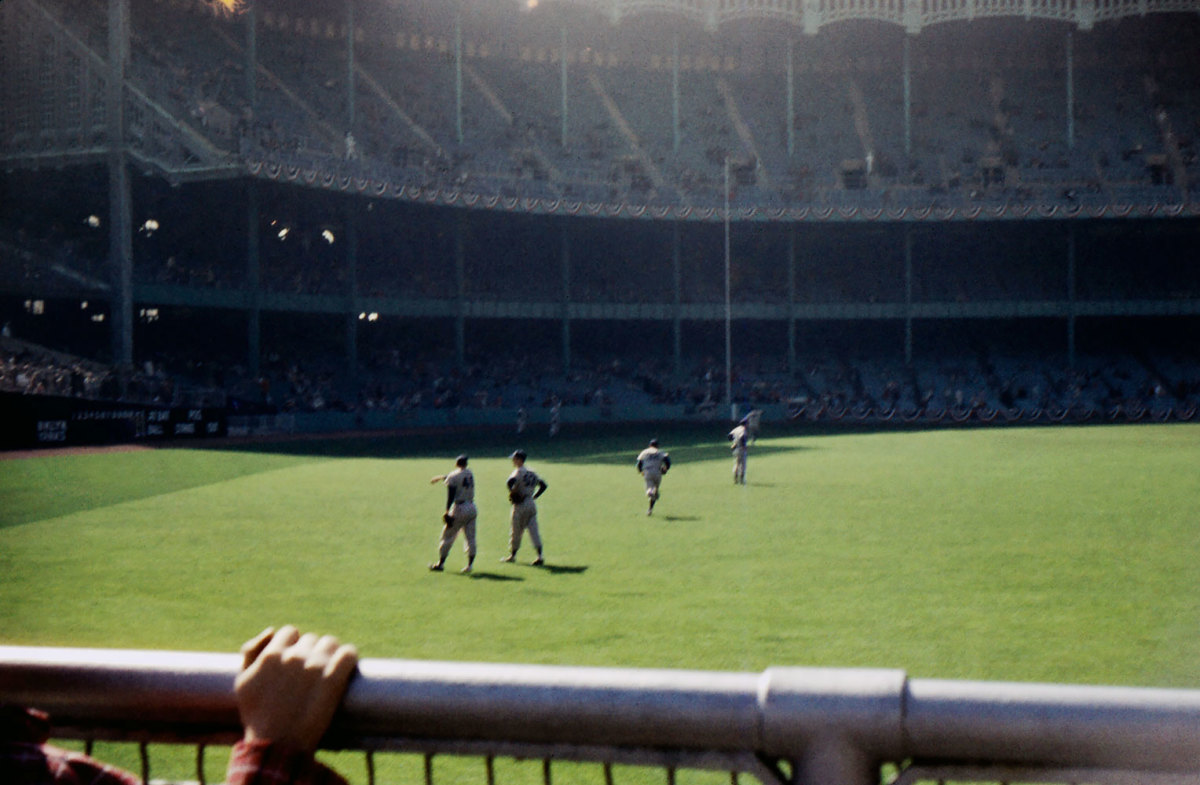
1045 554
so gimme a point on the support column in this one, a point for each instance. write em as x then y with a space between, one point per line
350 89
352 348
791 101
1071 277
728 302
677 280
253 280
835 761
1070 91
907 94
120 199
908 296
458 78
791 287
562 56
676 134
566 297
352 291
251 70
460 288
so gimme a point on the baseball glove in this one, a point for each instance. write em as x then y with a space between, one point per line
516 497
448 518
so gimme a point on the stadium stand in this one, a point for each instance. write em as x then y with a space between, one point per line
400 217
299 185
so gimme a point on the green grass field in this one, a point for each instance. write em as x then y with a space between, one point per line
1045 554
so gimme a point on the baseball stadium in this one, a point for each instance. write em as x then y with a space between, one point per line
438 326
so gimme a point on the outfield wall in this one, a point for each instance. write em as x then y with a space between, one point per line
47 421
333 422
54 421
817 414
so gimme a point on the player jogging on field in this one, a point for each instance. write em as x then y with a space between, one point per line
754 424
739 439
523 487
653 463
460 513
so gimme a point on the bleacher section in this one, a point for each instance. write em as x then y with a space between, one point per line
989 122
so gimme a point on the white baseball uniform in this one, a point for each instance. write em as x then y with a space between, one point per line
462 513
524 512
652 462
739 436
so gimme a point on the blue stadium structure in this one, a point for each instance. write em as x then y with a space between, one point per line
967 205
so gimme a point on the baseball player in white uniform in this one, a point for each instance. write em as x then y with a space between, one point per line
739 443
754 424
523 488
653 463
460 513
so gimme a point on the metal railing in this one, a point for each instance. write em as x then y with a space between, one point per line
799 725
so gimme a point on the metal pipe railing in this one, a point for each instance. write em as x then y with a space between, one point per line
831 725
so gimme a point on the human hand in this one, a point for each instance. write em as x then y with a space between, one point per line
437 479
291 685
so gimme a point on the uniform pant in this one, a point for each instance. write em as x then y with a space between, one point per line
652 483
524 516
739 466
462 518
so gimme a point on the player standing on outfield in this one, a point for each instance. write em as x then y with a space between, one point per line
460 512
739 438
523 487
653 463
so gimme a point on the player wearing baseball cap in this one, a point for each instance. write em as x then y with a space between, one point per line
653 463
460 513
523 487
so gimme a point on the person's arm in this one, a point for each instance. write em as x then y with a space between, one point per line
541 488
25 757
288 690
666 464
639 466
449 498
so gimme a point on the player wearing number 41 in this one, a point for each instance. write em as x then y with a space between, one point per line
653 463
460 513
523 487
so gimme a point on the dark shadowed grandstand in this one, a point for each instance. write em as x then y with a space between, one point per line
973 210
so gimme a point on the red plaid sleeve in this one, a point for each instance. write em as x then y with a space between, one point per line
25 758
263 763
38 764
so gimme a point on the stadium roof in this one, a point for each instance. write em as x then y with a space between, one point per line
913 15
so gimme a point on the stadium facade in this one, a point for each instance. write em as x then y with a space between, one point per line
568 179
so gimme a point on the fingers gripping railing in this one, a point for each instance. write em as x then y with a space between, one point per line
826 726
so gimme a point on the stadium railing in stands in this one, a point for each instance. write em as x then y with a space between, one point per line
799 725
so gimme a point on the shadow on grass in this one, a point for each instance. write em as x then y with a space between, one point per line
593 443
563 569
37 489
674 518
492 576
